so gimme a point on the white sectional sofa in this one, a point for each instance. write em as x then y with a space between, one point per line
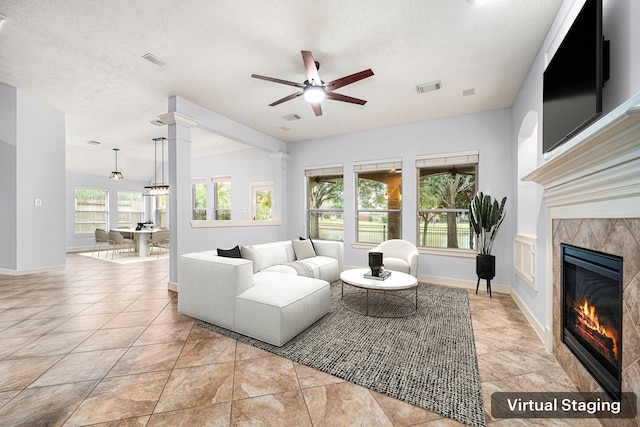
274 292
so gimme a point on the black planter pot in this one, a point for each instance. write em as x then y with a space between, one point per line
485 269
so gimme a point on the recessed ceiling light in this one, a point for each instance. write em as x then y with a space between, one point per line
154 59
429 87
284 128
476 2
2 19
469 92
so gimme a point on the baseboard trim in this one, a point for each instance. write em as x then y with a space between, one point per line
172 286
540 330
30 271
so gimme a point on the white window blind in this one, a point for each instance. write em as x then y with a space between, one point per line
378 166
447 159
324 170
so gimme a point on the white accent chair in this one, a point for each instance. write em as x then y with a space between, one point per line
399 255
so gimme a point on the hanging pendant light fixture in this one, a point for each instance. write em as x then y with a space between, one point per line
115 174
158 188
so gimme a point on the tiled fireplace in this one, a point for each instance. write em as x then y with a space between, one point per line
592 195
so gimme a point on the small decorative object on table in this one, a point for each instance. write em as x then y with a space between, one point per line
375 263
148 224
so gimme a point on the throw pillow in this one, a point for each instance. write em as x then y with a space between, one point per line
302 238
252 255
303 249
230 253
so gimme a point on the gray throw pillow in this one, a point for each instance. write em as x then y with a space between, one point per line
303 249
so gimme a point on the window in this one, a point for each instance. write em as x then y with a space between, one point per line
221 197
325 218
446 185
199 198
91 210
262 200
161 211
379 201
130 209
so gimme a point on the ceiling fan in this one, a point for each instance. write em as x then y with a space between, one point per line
315 90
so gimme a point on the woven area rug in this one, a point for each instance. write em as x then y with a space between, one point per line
427 359
122 258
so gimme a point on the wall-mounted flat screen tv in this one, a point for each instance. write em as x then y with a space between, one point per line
573 80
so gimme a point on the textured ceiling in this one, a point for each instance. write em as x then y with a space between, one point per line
84 57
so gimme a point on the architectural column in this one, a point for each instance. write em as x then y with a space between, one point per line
280 177
179 200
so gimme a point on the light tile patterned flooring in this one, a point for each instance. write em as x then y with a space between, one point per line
103 344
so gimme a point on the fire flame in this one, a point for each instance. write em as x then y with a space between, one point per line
590 320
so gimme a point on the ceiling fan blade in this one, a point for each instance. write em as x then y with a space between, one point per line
317 108
344 98
343 81
310 65
272 79
286 98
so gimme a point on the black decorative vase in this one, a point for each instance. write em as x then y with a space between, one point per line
375 263
485 269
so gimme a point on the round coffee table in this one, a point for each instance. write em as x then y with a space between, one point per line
397 281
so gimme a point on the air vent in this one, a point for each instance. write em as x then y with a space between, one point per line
429 87
291 117
284 128
94 142
469 92
154 59
157 122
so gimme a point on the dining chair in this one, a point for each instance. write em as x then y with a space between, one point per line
120 243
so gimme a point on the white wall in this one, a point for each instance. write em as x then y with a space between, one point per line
489 133
80 242
620 19
34 144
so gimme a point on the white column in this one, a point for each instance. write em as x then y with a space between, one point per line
179 201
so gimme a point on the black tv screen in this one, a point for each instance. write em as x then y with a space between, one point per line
572 97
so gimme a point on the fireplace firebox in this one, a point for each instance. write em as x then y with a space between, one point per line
592 313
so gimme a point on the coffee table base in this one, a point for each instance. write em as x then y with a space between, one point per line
391 293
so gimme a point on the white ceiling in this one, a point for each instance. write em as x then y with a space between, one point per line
84 57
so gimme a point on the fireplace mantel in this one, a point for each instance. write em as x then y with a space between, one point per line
601 163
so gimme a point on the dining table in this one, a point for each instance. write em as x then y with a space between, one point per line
141 237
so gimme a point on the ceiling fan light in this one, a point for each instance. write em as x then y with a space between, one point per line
116 175
314 94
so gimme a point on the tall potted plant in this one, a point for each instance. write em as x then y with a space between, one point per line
485 217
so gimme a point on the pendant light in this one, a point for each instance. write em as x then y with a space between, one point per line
115 174
158 188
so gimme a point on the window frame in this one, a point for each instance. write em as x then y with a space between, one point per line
216 209
141 212
194 210
380 166
448 160
319 171
106 211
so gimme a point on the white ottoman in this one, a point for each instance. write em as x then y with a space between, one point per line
279 306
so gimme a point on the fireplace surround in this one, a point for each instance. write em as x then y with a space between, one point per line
592 201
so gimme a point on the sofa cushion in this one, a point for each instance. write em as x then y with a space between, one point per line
275 253
280 306
248 252
230 253
303 249
324 267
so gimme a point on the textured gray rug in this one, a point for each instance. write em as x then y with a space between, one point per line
427 359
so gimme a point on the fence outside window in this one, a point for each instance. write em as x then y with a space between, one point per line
444 228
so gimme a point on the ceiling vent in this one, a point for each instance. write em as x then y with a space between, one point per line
157 122
429 87
284 128
291 117
154 59
92 142
469 92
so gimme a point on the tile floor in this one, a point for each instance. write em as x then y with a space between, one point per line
103 344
